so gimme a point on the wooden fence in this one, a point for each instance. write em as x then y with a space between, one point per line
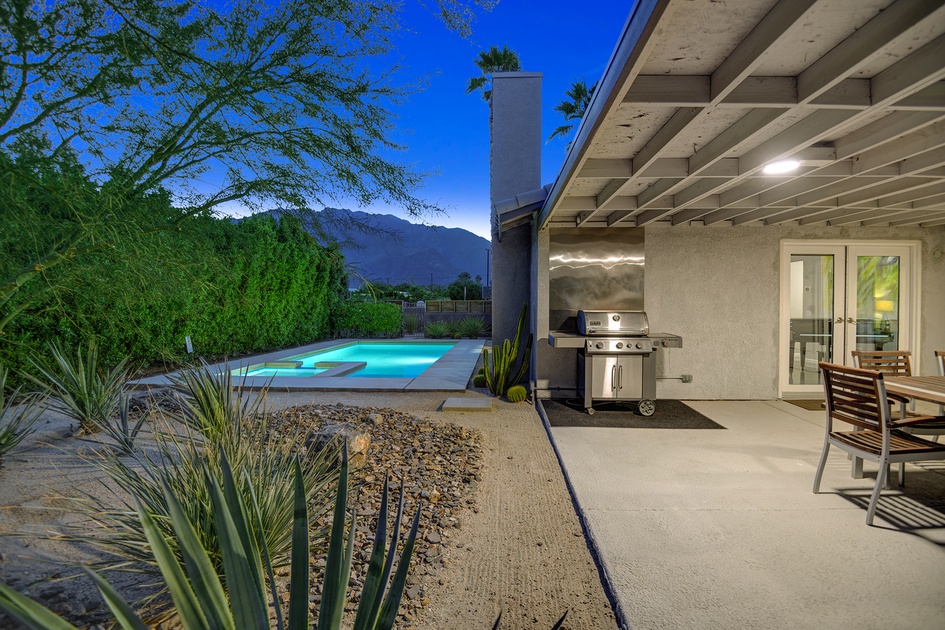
459 306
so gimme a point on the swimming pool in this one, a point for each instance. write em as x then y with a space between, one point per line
356 360
310 368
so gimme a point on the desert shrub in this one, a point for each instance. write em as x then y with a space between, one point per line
479 380
471 327
370 319
437 330
17 416
79 387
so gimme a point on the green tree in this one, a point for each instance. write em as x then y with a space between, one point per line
489 62
464 288
284 104
573 108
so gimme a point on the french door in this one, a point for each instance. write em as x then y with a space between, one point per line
839 297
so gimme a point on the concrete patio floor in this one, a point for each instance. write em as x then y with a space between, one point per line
720 529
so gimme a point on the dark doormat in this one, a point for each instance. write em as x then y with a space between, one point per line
810 405
670 414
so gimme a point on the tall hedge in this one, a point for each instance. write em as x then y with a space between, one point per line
233 287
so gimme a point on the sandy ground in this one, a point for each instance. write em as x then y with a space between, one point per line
520 552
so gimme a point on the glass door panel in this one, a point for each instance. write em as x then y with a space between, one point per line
877 302
837 297
811 307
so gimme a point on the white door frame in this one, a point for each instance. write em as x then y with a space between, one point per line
910 296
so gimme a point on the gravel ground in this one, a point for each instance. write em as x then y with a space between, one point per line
498 530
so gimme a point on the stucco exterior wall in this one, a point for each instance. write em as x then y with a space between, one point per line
720 289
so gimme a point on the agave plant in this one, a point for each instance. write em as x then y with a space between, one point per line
471 327
500 370
437 330
203 600
79 388
17 417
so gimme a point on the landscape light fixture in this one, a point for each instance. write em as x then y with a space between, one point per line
781 166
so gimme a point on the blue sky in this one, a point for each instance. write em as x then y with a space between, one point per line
446 130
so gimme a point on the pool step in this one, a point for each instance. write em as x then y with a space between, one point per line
467 404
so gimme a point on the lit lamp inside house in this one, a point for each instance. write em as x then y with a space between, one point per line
884 307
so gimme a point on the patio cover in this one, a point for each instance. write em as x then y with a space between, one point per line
700 95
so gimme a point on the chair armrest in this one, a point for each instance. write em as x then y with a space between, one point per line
913 420
897 398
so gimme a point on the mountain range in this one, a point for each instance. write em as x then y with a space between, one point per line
392 250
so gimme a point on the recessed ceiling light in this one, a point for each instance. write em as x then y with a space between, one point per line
781 166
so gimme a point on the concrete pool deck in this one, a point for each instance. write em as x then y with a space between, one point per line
449 373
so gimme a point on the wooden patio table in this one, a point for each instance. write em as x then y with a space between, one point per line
928 388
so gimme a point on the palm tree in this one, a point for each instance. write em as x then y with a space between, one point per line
489 62
573 109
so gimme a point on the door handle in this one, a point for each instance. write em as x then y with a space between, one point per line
851 320
840 320
613 378
620 377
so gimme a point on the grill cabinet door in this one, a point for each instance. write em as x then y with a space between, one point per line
605 380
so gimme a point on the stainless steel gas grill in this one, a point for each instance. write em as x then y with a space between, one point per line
617 358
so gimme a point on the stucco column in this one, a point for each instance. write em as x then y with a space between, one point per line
515 167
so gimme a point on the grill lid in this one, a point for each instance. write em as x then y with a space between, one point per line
613 323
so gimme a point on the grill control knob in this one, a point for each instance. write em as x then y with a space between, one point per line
639 345
619 345
616 318
599 345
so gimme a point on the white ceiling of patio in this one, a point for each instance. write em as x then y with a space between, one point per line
701 95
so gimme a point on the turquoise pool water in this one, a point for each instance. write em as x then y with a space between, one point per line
383 360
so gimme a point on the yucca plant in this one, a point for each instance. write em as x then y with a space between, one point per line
211 403
17 416
437 330
78 387
500 371
203 600
122 431
179 461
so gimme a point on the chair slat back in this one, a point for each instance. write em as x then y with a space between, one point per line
856 396
940 360
898 362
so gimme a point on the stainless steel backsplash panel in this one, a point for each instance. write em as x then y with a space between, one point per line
594 269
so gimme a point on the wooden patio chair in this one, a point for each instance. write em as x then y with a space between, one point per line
858 397
899 363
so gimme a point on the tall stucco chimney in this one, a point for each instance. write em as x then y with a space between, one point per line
515 154
515 168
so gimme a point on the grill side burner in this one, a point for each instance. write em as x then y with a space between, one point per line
617 358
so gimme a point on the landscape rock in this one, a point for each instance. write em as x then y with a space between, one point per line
436 464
